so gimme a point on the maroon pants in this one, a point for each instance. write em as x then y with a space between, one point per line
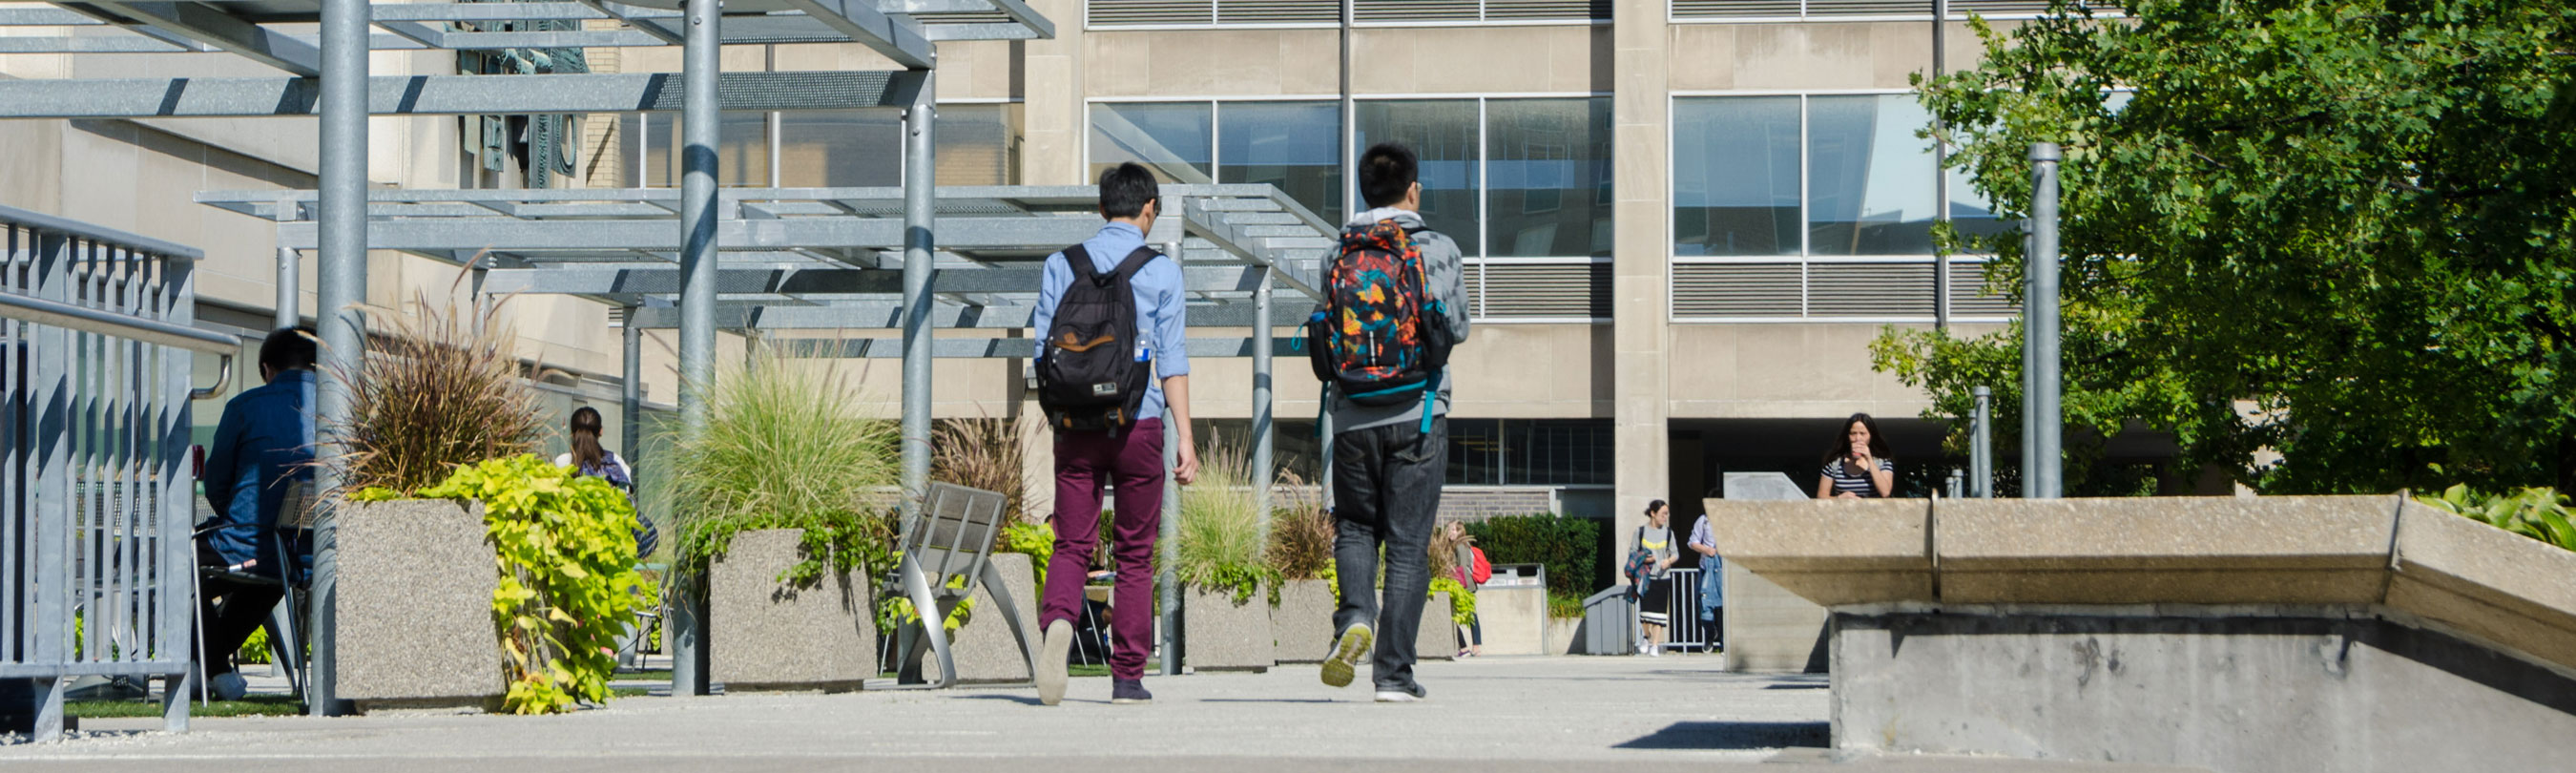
1086 463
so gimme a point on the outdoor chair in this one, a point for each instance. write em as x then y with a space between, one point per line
295 513
950 540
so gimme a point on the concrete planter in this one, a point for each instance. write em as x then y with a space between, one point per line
1438 638
414 606
983 648
1302 623
1220 635
762 635
1564 637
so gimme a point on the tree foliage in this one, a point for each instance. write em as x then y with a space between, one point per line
2339 229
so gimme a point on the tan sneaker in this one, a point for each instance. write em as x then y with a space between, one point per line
1052 649
1354 644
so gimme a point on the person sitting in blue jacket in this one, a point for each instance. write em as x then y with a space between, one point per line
263 444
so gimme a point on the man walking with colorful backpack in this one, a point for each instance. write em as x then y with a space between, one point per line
1394 307
1112 363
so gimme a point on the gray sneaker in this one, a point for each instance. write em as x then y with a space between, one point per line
1052 649
1404 694
1354 643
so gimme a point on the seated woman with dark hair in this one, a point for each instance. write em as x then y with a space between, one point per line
1858 467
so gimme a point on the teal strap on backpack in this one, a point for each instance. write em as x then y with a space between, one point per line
1430 394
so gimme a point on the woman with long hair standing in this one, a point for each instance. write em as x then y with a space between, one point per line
1654 555
1858 467
591 459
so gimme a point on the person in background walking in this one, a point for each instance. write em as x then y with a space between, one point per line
1655 599
1712 581
1858 467
1472 572
1113 368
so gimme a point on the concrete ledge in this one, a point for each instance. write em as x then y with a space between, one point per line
415 605
2194 550
2487 582
762 635
1220 635
1437 638
1831 551
984 649
1302 624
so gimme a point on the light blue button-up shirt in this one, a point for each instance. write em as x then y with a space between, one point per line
264 440
1162 318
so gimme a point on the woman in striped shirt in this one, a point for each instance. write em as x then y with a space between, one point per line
1858 468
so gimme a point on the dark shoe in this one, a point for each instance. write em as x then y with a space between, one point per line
1354 644
1052 649
1402 694
1130 692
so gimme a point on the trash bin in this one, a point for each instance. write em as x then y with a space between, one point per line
1610 623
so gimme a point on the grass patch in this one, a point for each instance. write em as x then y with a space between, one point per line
248 706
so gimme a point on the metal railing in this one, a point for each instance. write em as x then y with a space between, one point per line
1686 632
96 376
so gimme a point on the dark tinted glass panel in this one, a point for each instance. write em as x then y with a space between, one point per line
1735 176
1549 195
1172 139
1442 134
1296 146
1870 185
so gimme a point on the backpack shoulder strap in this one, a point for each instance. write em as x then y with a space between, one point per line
1136 261
1079 259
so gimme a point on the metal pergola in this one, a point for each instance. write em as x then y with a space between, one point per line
913 258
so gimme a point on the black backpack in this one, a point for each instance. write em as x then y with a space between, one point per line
1089 375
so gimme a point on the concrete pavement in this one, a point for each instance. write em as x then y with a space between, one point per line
1495 714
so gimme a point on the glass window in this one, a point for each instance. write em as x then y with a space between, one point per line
1558 452
742 158
1172 139
1735 176
976 144
1549 195
1475 452
840 148
1443 135
1870 184
1296 146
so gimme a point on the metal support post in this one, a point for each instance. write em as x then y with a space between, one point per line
630 432
342 286
288 293
1170 579
1940 172
1262 440
700 127
920 218
2047 419
47 611
1981 446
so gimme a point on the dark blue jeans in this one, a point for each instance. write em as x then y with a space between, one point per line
1386 495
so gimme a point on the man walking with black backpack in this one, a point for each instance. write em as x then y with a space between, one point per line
1111 364
1395 306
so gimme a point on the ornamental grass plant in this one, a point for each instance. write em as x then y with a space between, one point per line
1222 547
987 454
781 449
1301 532
439 389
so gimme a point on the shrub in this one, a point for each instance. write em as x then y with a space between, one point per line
781 450
1221 543
985 454
438 390
2538 513
564 546
1567 546
1462 605
1301 533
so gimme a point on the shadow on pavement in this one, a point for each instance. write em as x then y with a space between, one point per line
1735 735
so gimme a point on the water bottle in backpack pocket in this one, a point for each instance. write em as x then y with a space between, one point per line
1094 370
1380 338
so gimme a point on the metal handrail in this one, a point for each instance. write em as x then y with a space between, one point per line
88 320
137 242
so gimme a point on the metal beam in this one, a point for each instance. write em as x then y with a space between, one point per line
975 348
562 280
222 30
447 94
896 38
876 315
507 234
